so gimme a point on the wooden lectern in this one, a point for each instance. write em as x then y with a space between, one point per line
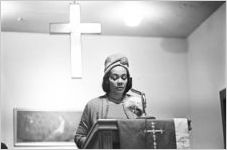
105 135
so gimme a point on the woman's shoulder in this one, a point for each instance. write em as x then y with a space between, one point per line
97 100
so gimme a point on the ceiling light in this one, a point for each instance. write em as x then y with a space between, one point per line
133 13
132 20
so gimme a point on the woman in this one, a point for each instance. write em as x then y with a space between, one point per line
116 103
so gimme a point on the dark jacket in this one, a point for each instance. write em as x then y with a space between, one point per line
97 109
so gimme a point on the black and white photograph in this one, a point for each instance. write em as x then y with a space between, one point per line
112 74
44 128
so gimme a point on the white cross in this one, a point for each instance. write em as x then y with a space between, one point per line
153 131
75 28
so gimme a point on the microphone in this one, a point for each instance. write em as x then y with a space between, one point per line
142 97
136 91
144 104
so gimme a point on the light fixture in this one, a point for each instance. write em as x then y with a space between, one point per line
132 19
133 13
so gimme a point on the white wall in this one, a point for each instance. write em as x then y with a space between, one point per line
36 73
206 59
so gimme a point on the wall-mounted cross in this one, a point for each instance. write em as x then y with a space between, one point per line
75 28
153 131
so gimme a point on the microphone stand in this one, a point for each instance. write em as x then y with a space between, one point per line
143 100
144 104
145 117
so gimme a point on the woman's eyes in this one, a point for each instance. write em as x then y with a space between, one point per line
115 77
124 77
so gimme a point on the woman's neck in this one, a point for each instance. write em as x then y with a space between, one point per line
115 97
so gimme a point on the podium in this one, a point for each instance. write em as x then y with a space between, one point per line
140 133
103 135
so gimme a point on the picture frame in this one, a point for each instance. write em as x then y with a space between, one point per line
45 128
222 95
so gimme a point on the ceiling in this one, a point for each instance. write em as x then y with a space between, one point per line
160 18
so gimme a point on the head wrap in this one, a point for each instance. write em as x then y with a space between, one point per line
116 60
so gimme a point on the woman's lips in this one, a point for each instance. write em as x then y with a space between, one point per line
120 88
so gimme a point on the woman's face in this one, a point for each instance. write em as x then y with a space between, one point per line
118 80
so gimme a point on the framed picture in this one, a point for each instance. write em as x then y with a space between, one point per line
222 95
45 128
